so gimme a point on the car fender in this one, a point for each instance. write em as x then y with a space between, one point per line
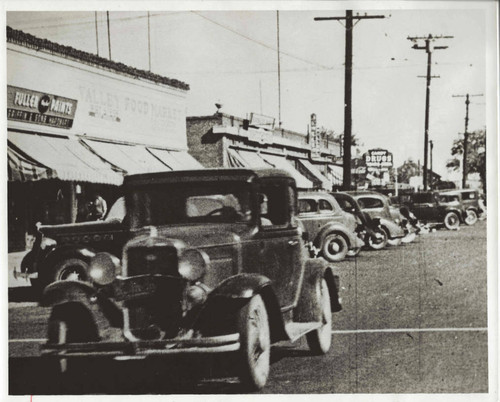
231 295
393 229
335 227
68 291
308 309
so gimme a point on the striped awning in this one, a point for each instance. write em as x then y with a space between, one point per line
176 160
234 159
65 158
336 174
22 168
253 159
314 171
130 158
280 162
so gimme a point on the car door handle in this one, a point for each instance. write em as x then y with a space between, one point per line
292 243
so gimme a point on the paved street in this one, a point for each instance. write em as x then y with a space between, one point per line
414 321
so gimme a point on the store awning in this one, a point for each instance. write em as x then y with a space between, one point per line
176 160
130 158
281 163
66 158
234 159
313 170
253 159
336 174
22 168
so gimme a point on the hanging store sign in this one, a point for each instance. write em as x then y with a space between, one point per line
40 108
379 159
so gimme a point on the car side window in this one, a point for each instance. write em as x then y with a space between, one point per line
306 205
325 206
370 203
274 204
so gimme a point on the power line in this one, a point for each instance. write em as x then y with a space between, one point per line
259 42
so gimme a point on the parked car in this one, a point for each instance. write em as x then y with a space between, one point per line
438 208
200 277
368 229
469 200
62 252
377 205
330 229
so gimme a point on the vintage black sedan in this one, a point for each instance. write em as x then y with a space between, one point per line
216 264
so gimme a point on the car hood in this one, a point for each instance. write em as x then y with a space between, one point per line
55 231
205 235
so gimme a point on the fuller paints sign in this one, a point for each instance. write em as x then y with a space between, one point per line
379 159
36 107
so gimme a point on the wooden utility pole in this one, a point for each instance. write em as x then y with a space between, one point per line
429 47
349 18
432 172
109 35
466 136
279 67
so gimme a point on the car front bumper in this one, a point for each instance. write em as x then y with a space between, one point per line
142 349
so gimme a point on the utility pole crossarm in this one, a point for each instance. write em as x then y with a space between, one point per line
354 17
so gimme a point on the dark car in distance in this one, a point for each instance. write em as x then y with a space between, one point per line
331 230
216 264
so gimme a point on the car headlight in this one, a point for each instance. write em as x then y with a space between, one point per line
193 264
103 268
47 242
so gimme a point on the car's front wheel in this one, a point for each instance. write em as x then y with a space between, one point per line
380 241
255 341
451 221
471 217
334 247
320 340
67 269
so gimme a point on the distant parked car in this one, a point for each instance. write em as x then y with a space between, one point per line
377 205
436 207
369 229
331 230
469 200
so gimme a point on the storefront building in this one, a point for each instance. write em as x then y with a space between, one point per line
223 140
77 123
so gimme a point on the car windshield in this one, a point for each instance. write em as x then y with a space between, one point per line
193 202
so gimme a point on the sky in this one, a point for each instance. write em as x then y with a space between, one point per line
231 57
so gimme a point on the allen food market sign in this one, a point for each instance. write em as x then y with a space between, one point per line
36 107
379 159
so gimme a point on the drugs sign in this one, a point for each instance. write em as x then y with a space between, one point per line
378 158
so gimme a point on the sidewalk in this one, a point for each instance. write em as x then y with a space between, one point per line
14 263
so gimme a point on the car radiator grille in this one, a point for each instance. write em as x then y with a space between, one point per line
152 260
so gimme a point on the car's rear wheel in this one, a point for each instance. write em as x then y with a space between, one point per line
451 221
471 217
334 247
255 350
380 242
320 340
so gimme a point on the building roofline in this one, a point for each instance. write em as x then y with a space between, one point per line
27 40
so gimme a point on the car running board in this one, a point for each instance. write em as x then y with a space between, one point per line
295 330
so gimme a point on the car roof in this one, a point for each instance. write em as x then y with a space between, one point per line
360 193
214 174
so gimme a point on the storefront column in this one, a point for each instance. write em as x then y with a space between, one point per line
73 202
